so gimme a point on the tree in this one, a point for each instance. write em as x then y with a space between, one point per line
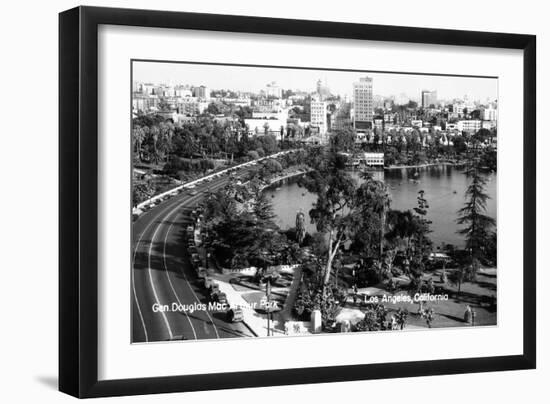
372 203
138 136
342 209
402 225
459 144
412 104
300 227
268 143
423 243
213 109
272 166
343 140
478 225
141 191
335 191
240 228
466 272
253 155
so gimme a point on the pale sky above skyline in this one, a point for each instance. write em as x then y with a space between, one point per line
254 79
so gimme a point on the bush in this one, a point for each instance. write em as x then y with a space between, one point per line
176 164
371 277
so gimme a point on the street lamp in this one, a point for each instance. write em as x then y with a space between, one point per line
268 276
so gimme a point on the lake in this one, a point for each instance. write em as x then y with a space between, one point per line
444 188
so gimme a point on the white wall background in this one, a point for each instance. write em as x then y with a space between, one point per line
28 201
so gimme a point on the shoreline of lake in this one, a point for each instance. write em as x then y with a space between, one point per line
443 163
444 188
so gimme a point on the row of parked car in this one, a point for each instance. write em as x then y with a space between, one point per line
199 265
191 187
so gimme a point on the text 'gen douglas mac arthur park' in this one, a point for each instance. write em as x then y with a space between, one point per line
272 202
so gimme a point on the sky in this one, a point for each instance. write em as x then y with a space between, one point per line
254 79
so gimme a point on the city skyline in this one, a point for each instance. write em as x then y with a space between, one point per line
254 79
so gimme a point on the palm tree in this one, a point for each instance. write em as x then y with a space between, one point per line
300 227
402 224
374 196
138 136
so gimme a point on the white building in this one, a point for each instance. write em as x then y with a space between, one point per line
460 107
144 103
374 159
191 106
182 92
273 90
278 113
490 114
472 125
259 126
319 115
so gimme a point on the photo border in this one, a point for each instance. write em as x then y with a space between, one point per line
257 66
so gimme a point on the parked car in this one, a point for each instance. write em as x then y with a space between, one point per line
235 315
201 272
207 281
221 298
214 289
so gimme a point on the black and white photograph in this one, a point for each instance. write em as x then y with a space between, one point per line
272 201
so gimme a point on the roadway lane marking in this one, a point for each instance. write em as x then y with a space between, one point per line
178 205
213 187
139 308
170 281
192 199
133 263
153 284
196 297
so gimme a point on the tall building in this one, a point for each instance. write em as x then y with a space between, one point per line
363 107
429 98
322 90
202 92
489 114
341 118
319 115
273 90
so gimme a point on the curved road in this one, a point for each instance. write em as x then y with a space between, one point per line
162 275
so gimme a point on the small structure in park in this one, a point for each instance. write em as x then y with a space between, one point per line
300 226
316 322
374 159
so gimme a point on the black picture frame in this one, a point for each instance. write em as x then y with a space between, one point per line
78 195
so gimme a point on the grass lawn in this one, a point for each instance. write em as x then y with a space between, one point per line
449 313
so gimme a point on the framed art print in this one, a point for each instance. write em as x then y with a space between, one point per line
249 201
